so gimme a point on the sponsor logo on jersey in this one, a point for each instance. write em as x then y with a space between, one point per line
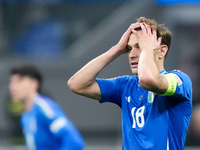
140 98
128 99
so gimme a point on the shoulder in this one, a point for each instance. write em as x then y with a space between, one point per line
116 83
181 76
45 105
178 72
117 80
127 79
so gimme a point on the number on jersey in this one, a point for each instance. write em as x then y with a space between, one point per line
138 117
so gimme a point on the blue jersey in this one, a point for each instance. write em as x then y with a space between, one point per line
46 127
150 121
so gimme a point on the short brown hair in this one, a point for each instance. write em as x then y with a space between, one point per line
29 71
162 31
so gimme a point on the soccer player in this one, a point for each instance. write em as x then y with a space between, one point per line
156 104
44 124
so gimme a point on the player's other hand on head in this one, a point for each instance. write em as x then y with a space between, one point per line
147 37
122 44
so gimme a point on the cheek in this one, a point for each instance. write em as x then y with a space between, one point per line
14 87
139 52
11 86
128 54
25 87
22 88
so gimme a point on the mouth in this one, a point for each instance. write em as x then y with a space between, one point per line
134 64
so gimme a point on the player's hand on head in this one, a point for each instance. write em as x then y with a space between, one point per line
121 45
147 37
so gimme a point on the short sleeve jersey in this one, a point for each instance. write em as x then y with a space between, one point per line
46 127
150 121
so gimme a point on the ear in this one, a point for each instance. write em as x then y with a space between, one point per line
36 84
163 51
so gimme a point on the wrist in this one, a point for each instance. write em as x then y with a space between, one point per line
147 54
148 49
117 50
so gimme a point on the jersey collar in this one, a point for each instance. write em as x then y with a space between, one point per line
163 71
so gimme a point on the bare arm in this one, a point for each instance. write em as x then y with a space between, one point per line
83 82
148 69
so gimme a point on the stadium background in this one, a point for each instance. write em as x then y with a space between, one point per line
60 36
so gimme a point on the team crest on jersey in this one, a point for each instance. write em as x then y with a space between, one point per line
150 97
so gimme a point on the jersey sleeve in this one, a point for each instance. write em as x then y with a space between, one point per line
183 87
60 126
111 89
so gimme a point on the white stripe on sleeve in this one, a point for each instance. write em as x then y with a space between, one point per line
167 143
45 107
57 124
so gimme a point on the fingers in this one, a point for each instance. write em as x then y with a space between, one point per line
147 36
149 30
134 32
131 27
128 32
159 40
135 25
146 29
154 31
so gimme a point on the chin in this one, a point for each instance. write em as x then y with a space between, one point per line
135 71
16 98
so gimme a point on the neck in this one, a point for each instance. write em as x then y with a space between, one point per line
28 102
160 65
161 68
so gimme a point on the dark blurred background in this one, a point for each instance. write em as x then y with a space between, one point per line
60 36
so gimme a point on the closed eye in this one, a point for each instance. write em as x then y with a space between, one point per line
137 46
129 48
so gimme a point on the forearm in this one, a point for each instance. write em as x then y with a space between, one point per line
148 72
147 65
86 76
83 82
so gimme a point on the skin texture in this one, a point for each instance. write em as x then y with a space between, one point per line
146 59
23 89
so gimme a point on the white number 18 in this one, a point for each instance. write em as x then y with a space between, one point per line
138 117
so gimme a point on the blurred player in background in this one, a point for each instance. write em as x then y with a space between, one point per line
156 104
44 124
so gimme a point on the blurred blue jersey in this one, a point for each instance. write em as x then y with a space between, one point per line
150 121
46 127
